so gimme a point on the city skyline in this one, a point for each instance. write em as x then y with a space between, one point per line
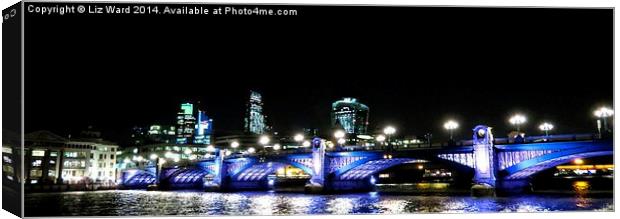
530 125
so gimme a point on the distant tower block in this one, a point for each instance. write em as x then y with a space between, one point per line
254 117
350 115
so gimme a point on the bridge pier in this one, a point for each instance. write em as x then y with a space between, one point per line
317 182
220 176
484 170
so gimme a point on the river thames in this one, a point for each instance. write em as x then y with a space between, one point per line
151 203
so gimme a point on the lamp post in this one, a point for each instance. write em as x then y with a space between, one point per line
603 113
251 150
298 138
158 163
389 131
546 127
517 120
339 135
234 145
450 126
380 139
263 140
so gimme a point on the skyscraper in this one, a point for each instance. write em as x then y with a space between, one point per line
254 122
204 128
186 123
193 125
350 115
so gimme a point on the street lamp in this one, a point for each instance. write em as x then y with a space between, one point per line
276 147
546 127
263 140
234 144
517 120
339 134
251 150
389 131
450 126
298 137
603 113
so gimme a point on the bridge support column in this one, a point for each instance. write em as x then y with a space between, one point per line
484 171
218 182
317 182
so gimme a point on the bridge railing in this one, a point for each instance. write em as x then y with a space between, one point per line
497 141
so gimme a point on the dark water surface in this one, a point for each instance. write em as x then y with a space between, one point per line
149 203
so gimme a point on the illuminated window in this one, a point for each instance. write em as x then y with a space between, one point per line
7 150
36 173
36 163
38 153
7 159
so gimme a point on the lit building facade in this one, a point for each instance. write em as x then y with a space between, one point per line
350 115
161 134
154 134
11 159
172 154
193 126
52 159
254 122
204 128
186 124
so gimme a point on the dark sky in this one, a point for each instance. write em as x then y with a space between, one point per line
414 67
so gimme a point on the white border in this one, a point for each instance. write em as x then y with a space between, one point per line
485 3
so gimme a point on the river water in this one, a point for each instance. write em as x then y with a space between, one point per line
150 203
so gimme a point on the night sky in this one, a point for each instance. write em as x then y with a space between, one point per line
414 68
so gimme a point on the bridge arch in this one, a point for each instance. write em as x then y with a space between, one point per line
187 178
260 170
527 168
137 178
367 164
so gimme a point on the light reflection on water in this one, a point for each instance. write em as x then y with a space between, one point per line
132 202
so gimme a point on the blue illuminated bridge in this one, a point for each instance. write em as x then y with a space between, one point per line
495 166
